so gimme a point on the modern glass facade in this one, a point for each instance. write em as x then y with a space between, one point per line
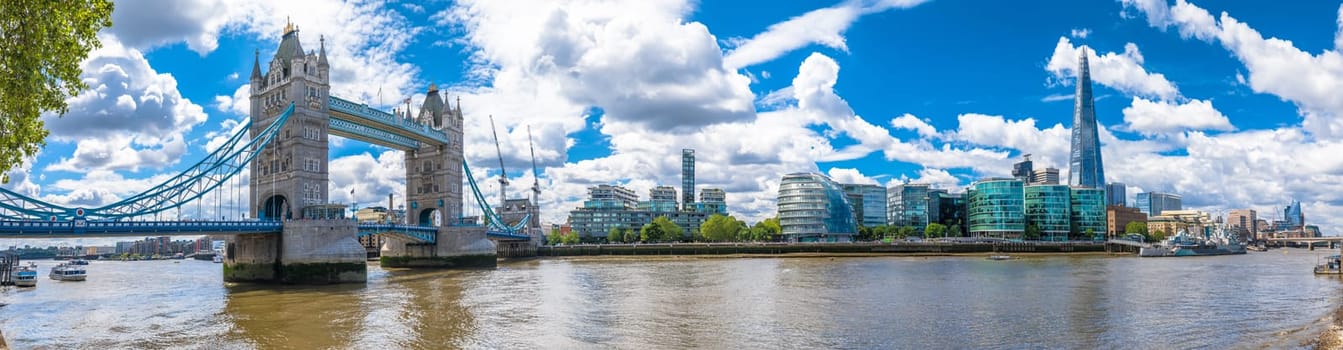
995 208
947 209
907 205
870 204
1088 213
1116 194
712 201
1048 209
610 207
1153 203
813 208
1085 166
687 177
1292 214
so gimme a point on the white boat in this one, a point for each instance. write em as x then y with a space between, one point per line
218 259
24 276
68 272
1000 257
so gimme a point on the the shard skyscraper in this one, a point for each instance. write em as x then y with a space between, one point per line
1085 167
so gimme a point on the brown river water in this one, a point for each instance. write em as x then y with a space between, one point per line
1259 300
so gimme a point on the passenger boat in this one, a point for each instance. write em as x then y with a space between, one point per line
999 257
79 262
25 276
68 272
1329 267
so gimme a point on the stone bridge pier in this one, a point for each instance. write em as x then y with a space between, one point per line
456 247
306 252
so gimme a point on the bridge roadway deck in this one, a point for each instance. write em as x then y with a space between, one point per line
80 228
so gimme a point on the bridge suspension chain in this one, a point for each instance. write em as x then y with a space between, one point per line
493 219
219 166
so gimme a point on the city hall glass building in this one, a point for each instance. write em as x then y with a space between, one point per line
813 208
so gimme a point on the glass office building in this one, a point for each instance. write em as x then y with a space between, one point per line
995 208
907 205
1048 209
870 206
813 208
1088 213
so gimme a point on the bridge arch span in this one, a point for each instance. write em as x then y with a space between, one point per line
430 217
275 207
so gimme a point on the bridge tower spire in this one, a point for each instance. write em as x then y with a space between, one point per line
291 173
434 171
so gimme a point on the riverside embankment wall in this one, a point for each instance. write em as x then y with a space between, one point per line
830 248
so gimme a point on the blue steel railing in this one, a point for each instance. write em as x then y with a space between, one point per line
421 132
83 228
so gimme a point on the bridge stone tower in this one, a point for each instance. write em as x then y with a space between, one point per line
434 171
289 179
292 172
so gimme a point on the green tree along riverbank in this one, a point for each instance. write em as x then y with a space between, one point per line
825 248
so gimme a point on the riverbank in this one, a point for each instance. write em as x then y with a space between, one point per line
1332 338
825 249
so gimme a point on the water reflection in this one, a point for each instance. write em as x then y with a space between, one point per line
661 303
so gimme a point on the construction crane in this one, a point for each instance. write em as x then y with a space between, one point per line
503 174
536 178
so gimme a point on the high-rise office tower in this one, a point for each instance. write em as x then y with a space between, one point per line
687 178
1085 167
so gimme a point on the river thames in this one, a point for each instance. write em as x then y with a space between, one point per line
1083 301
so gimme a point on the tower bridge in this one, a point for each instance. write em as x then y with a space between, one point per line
298 236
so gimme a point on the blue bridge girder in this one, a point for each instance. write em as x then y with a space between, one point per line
83 228
389 124
425 234
352 130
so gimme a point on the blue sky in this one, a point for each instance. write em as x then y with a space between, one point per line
1229 103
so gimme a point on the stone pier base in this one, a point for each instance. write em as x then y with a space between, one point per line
457 247
307 252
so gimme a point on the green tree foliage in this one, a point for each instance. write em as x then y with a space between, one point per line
670 230
571 238
1032 231
615 236
661 229
719 228
44 43
904 232
1157 236
955 230
650 233
554 237
935 230
1136 227
629 236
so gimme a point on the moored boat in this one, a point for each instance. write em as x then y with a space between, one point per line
68 272
1183 244
1331 266
24 275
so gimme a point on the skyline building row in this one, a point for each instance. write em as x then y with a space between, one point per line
617 207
